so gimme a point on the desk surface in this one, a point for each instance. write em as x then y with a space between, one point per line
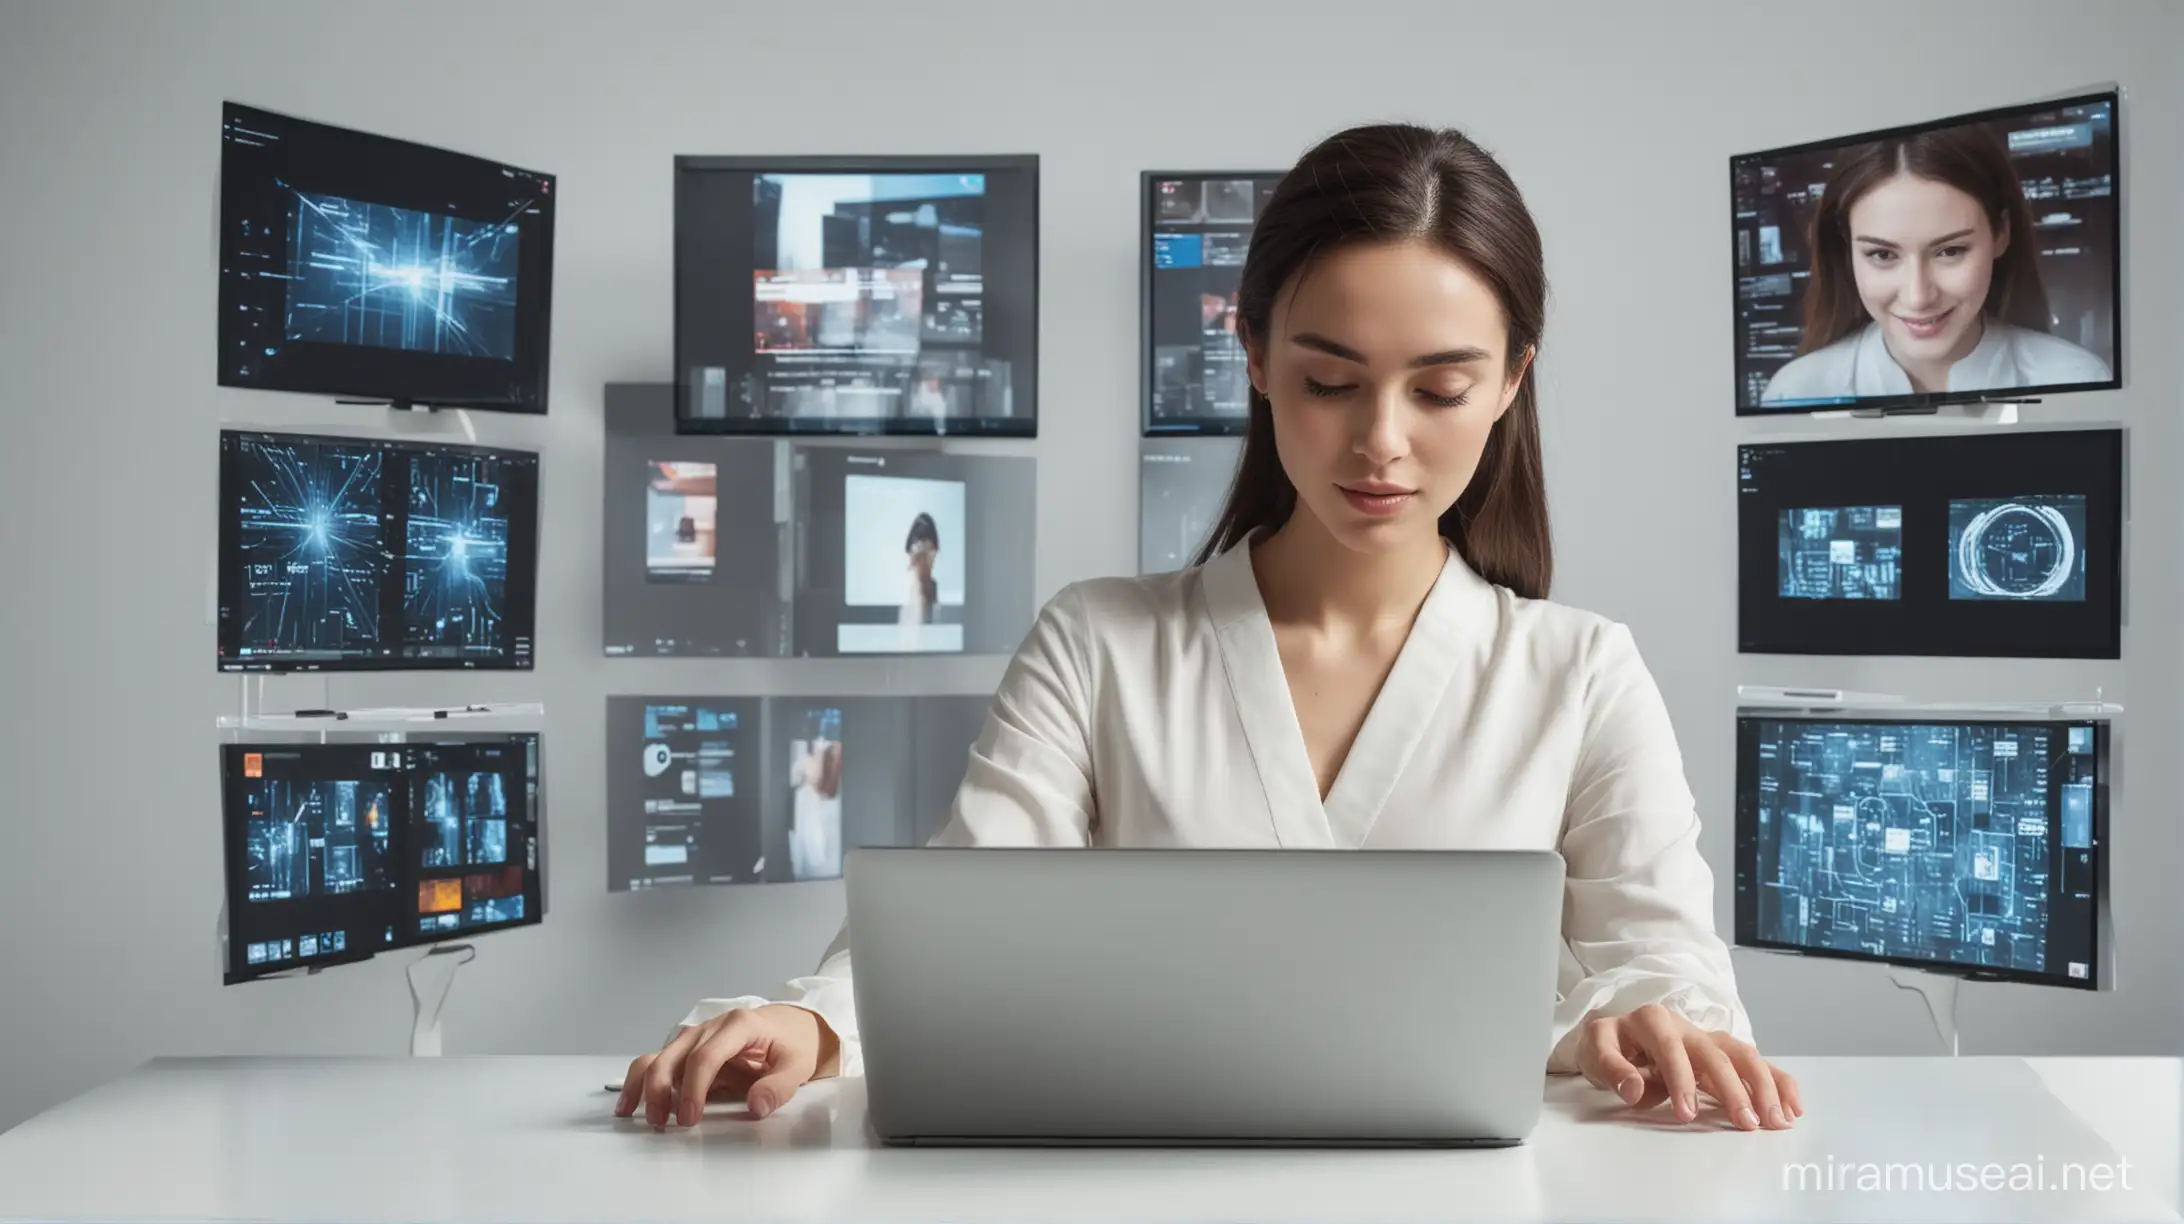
533 1140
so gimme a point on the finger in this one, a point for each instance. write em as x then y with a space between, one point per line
1786 1084
737 1034
660 1076
1719 1075
1662 1035
773 1091
1600 1057
1759 1085
633 1087
735 1079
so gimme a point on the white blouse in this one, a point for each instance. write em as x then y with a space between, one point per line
2005 358
1154 712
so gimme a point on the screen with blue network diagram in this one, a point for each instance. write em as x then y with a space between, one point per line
1968 845
357 264
1845 552
338 850
351 553
373 274
2022 548
455 569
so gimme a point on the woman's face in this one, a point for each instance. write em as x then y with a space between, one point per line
921 555
1923 254
1386 368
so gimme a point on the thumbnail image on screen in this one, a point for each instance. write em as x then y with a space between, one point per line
1933 545
1963 844
813 547
1182 484
1960 259
342 554
680 527
902 547
1197 228
2017 548
338 850
889 297
748 790
356 264
1845 552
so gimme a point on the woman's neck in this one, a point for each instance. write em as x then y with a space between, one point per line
1307 577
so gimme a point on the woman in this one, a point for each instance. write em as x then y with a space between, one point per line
1363 658
815 780
921 594
1926 279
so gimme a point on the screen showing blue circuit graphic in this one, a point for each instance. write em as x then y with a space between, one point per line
1960 844
1842 552
465 816
374 274
455 570
2018 548
309 547
317 838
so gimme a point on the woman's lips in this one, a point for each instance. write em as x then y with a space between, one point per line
1925 327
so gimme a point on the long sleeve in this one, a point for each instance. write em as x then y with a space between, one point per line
1638 907
1027 782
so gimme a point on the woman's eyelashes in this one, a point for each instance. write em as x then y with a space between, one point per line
1313 386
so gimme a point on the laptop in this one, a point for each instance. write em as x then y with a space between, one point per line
1204 997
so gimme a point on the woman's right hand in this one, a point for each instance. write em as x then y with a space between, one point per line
762 1054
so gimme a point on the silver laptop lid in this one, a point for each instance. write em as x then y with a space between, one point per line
1222 996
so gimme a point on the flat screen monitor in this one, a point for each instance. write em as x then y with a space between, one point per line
1969 847
1986 544
1197 226
1970 258
1182 485
773 790
338 851
364 554
361 265
728 546
857 295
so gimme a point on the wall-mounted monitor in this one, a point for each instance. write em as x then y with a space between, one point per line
338 851
1973 847
368 554
1972 258
750 790
361 265
1182 485
1197 226
724 546
857 295
1971 544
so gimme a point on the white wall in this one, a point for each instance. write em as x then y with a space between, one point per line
1616 121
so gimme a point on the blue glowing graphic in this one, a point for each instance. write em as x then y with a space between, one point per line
1917 842
1844 552
465 820
316 838
310 544
2023 548
455 569
374 275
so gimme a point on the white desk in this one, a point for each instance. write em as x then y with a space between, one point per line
532 1140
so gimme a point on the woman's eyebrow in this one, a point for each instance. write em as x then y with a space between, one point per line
1883 242
1454 356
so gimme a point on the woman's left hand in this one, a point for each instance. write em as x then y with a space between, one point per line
1653 1055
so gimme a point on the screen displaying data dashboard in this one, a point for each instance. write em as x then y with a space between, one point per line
1989 544
720 546
1182 486
1971 846
876 295
338 851
1197 227
769 790
355 554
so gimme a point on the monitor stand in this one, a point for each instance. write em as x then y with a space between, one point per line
424 1022
1939 990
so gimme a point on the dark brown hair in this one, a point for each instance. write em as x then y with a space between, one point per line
1971 159
1385 183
